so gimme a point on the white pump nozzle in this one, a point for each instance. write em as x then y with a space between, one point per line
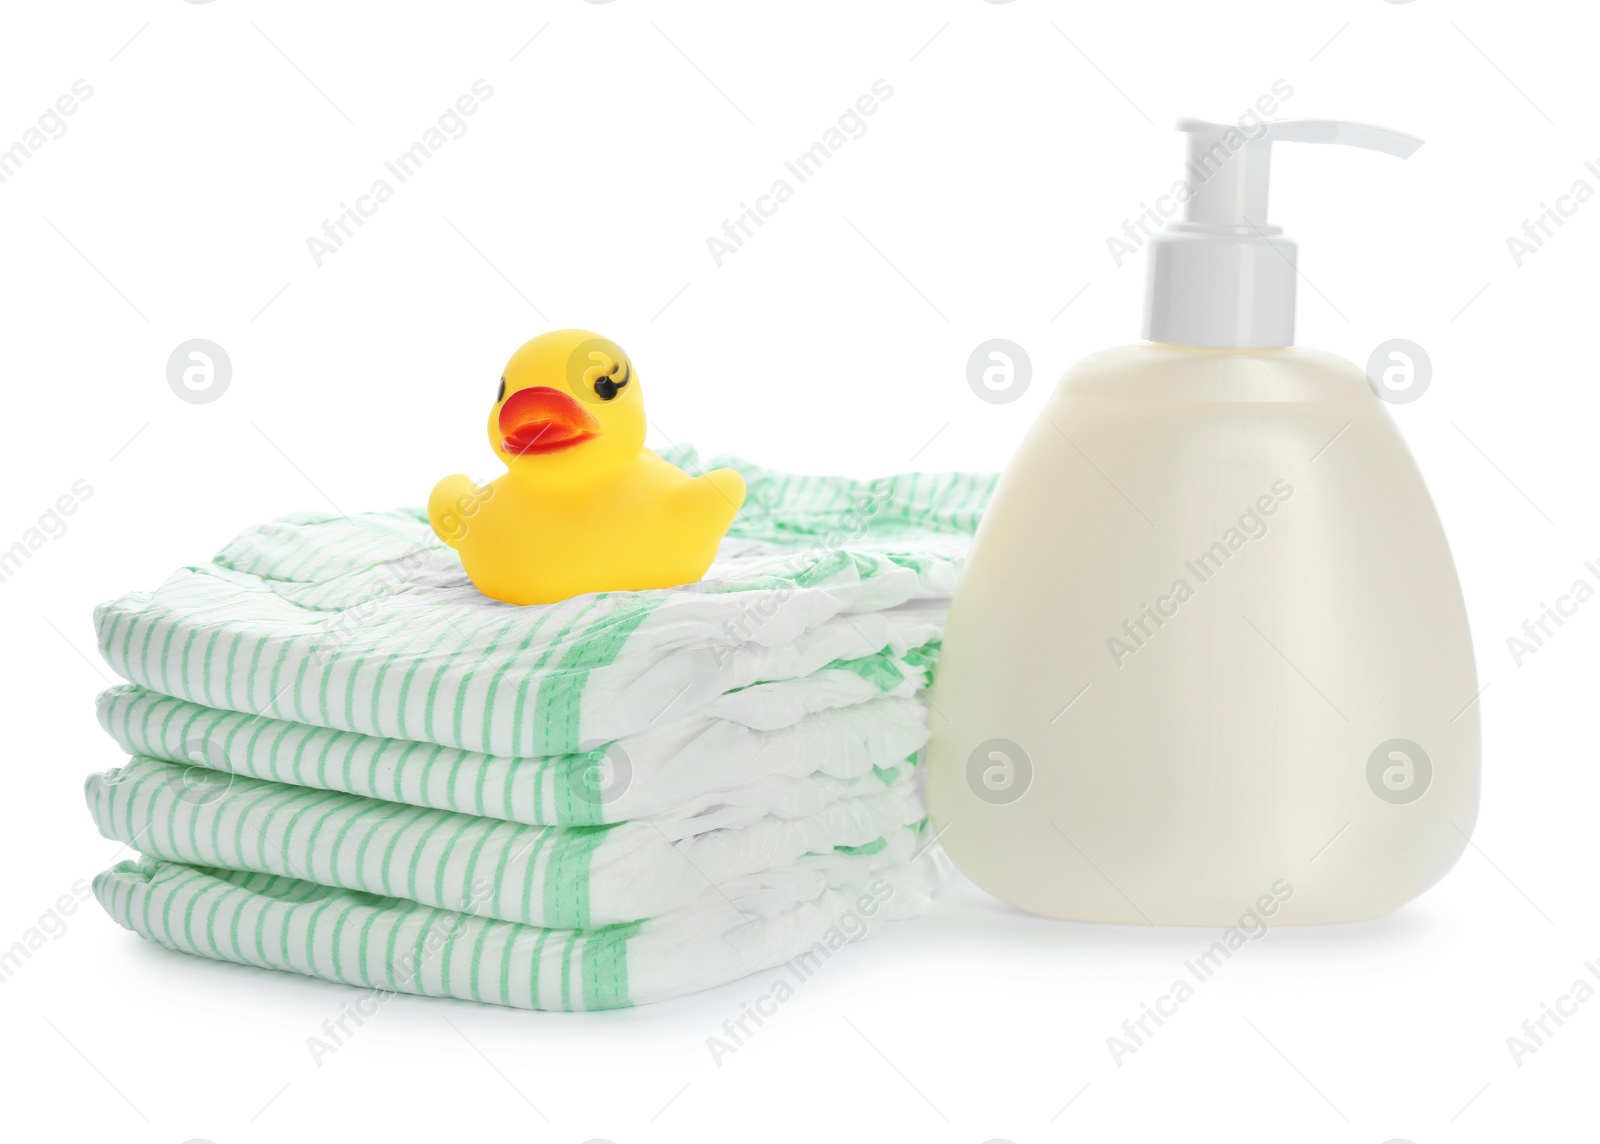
1224 277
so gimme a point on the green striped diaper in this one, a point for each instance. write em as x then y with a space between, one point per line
567 877
399 946
344 761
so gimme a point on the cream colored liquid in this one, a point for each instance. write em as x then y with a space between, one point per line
1200 707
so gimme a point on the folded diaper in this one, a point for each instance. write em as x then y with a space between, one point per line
306 619
341 750
568 877
671 770
396 945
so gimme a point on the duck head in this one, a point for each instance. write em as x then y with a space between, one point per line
568 408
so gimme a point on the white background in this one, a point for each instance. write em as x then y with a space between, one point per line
1019 137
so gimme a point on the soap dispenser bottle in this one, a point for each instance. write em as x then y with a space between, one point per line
1208 660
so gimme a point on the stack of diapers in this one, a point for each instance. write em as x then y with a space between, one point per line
348 763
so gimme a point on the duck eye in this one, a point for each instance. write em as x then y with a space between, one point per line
608 385
501 396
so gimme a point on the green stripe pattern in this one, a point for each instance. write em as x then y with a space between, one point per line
376 943
574 877
348 763
705 760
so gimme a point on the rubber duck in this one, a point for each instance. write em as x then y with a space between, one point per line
583 505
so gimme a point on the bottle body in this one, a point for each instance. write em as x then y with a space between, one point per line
1209 656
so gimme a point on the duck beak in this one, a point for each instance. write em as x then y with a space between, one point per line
542 420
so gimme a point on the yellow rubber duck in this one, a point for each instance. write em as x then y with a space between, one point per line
583 506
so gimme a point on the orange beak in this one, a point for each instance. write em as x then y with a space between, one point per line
542 420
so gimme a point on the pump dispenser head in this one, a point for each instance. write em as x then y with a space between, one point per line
1224 277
